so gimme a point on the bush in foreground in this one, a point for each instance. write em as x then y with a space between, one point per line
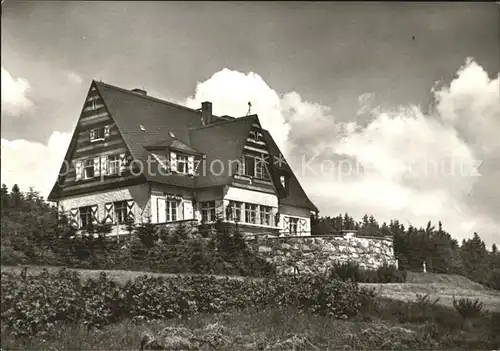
36 304
352 271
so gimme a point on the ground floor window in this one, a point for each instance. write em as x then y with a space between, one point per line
250 213
85 216
171 209
265 215
208 211
120 211
292 225
234 212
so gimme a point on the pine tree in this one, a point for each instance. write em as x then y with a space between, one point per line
494 248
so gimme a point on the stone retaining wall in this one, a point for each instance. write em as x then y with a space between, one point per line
314 254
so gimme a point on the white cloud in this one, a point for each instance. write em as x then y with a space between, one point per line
32 164
74 78
14 99
230 91
462 128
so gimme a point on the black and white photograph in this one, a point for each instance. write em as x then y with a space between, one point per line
250 175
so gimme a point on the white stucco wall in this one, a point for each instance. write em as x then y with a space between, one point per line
138 193
303 214
250 196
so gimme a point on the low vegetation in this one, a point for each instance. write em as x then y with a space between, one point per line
63 311
36 304
352 271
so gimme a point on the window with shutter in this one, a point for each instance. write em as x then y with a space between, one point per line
106 131
97 166
130 209
121 211
93 210
113 164
78 170
123 163
161 210
191 165
89 168
92 134
108 209
173 161
74 218
104 165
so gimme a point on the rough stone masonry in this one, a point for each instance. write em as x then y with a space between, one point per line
315 254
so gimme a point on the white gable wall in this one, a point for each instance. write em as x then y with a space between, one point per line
302 214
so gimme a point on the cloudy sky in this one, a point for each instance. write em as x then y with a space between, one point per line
381 108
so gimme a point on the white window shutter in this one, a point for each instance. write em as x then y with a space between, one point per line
130 209
104 165
106 131
188 210
161 207
92 134
123 162
97 166
78 170
173 161
191 165
93 209
74 218
109 213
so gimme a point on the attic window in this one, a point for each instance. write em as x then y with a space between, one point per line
98 134
142 127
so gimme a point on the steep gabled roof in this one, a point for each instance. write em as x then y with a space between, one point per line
221 143
296 195
147 124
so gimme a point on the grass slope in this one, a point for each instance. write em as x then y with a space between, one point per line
442 286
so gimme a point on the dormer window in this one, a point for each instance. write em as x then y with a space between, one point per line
182 164
283 181
98 134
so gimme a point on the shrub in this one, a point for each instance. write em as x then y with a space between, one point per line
468 308
351 271
38 303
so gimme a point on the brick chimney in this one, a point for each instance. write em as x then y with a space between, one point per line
206 112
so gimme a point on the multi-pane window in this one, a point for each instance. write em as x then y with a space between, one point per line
97 134
113 164
235 210
85 216
171 209
88 168
182 164
260 168
100 133
265 215
255 135
249 166
250 213
208 211
120 211
292 225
